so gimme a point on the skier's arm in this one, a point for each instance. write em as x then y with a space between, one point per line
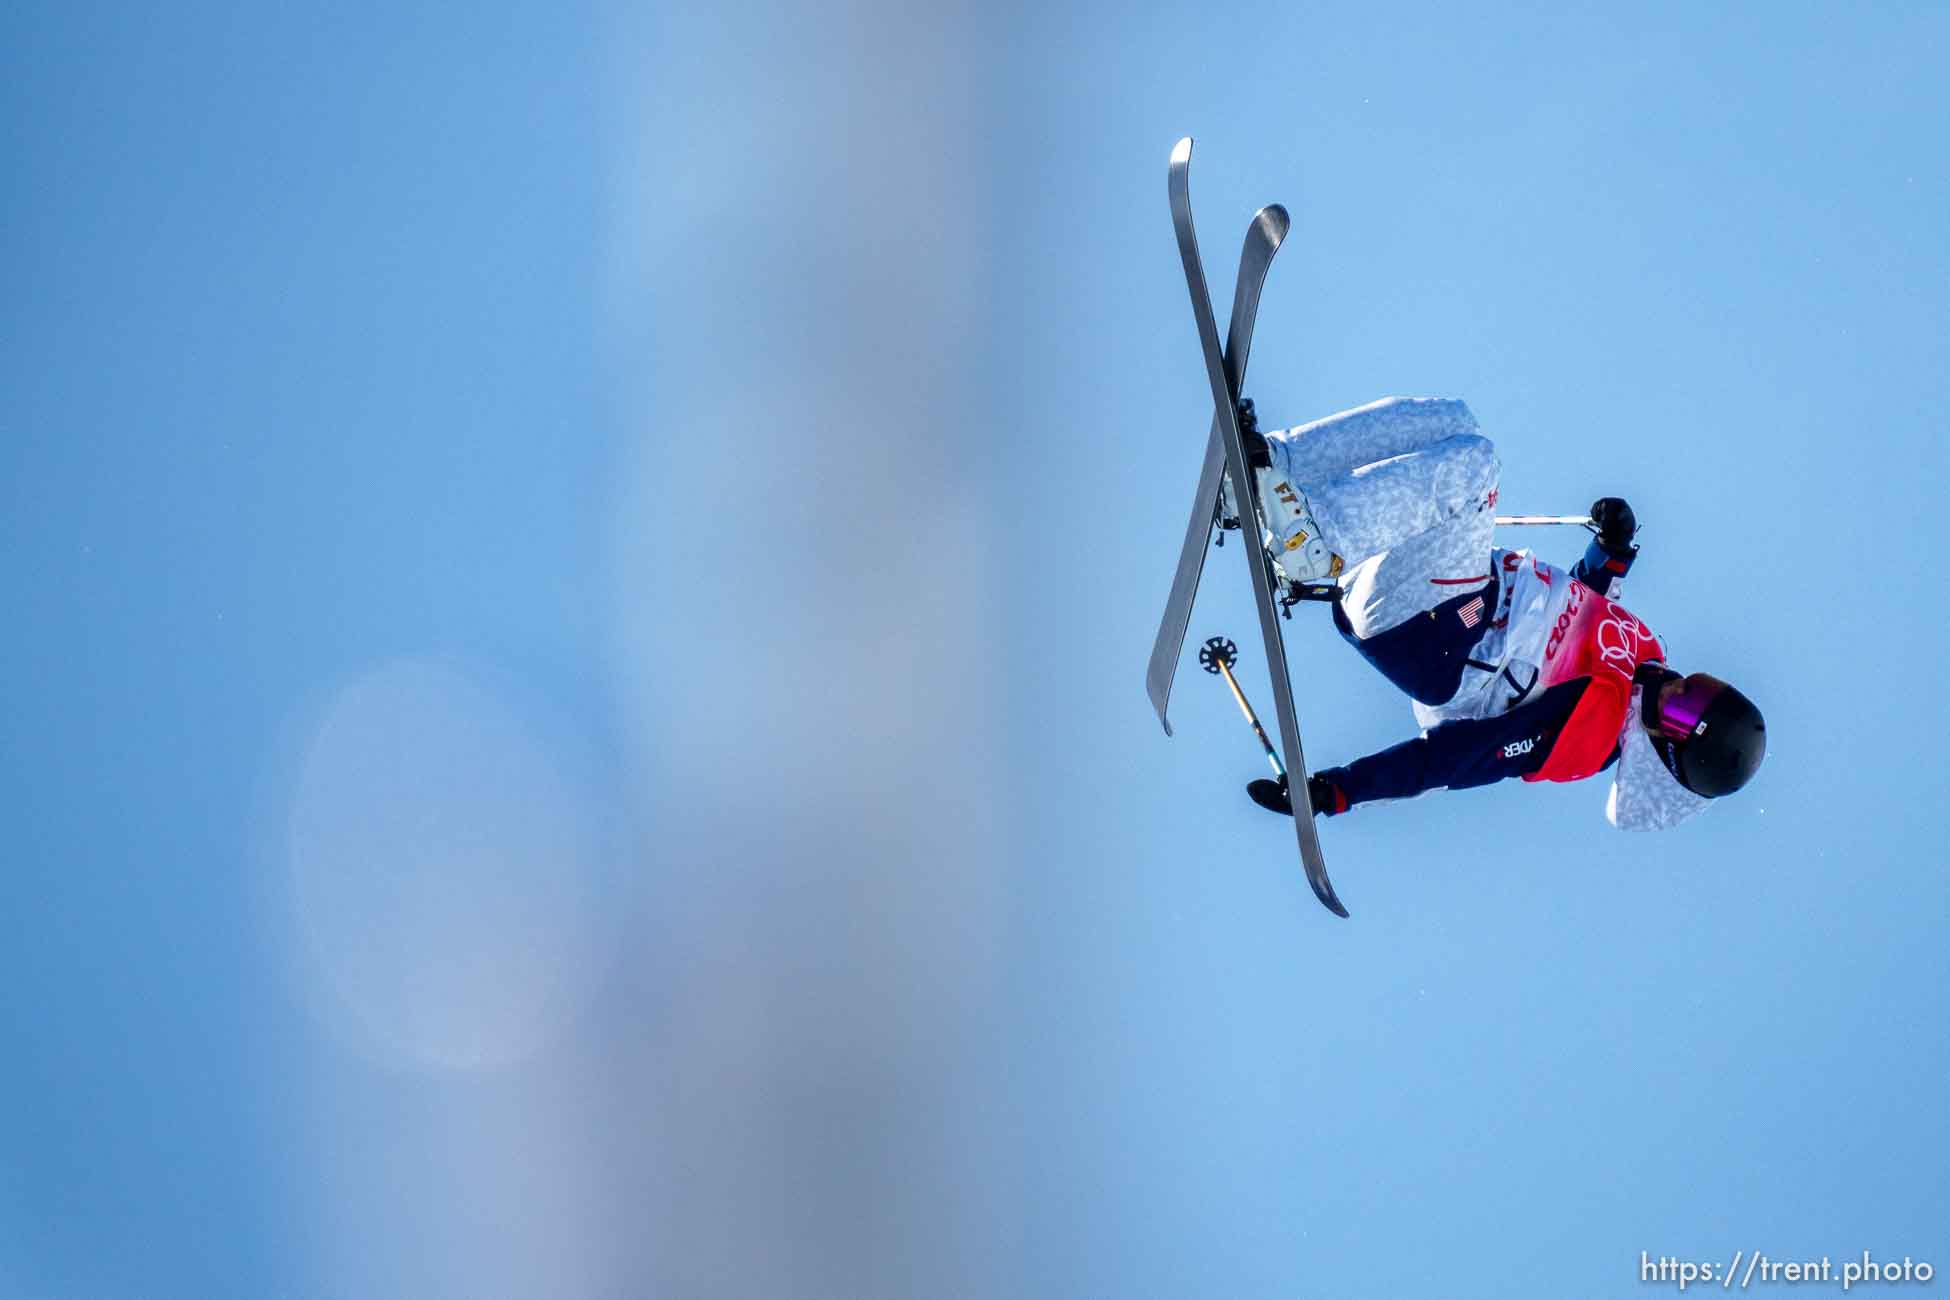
1609 556
1602 566
1461 754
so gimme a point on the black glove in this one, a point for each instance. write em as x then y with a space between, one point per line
1275 797
1614 523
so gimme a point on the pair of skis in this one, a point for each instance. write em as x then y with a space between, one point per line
1225 454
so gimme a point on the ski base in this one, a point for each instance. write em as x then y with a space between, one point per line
1263 239
1225 402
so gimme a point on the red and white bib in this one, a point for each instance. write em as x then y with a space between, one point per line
1594 637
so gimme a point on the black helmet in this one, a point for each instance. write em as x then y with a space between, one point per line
1710 736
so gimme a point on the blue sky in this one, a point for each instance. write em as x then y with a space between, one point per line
580 585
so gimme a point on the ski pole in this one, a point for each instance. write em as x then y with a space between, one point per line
1581 520
1218 655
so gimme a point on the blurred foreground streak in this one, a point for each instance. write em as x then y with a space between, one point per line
798 1092
777 1074
802 1094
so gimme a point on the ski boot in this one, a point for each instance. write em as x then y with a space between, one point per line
1293 539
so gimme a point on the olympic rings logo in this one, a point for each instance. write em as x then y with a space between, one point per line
1619 639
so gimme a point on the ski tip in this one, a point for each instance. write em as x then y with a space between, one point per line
1182 151
1158 687
1274 221
1331 903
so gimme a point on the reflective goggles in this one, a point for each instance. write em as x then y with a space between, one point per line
1676 714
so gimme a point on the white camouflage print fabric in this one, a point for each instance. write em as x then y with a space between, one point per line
1403 490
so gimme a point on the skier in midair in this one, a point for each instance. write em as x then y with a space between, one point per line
1515 667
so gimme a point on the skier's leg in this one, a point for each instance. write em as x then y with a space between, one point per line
1444 498
1384 503
1415 610
1318 529
1402 491
1415 607
1339 444
1382 472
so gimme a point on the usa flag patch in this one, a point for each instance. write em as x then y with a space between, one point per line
1472 613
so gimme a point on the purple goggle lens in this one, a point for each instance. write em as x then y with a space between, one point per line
1680 712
